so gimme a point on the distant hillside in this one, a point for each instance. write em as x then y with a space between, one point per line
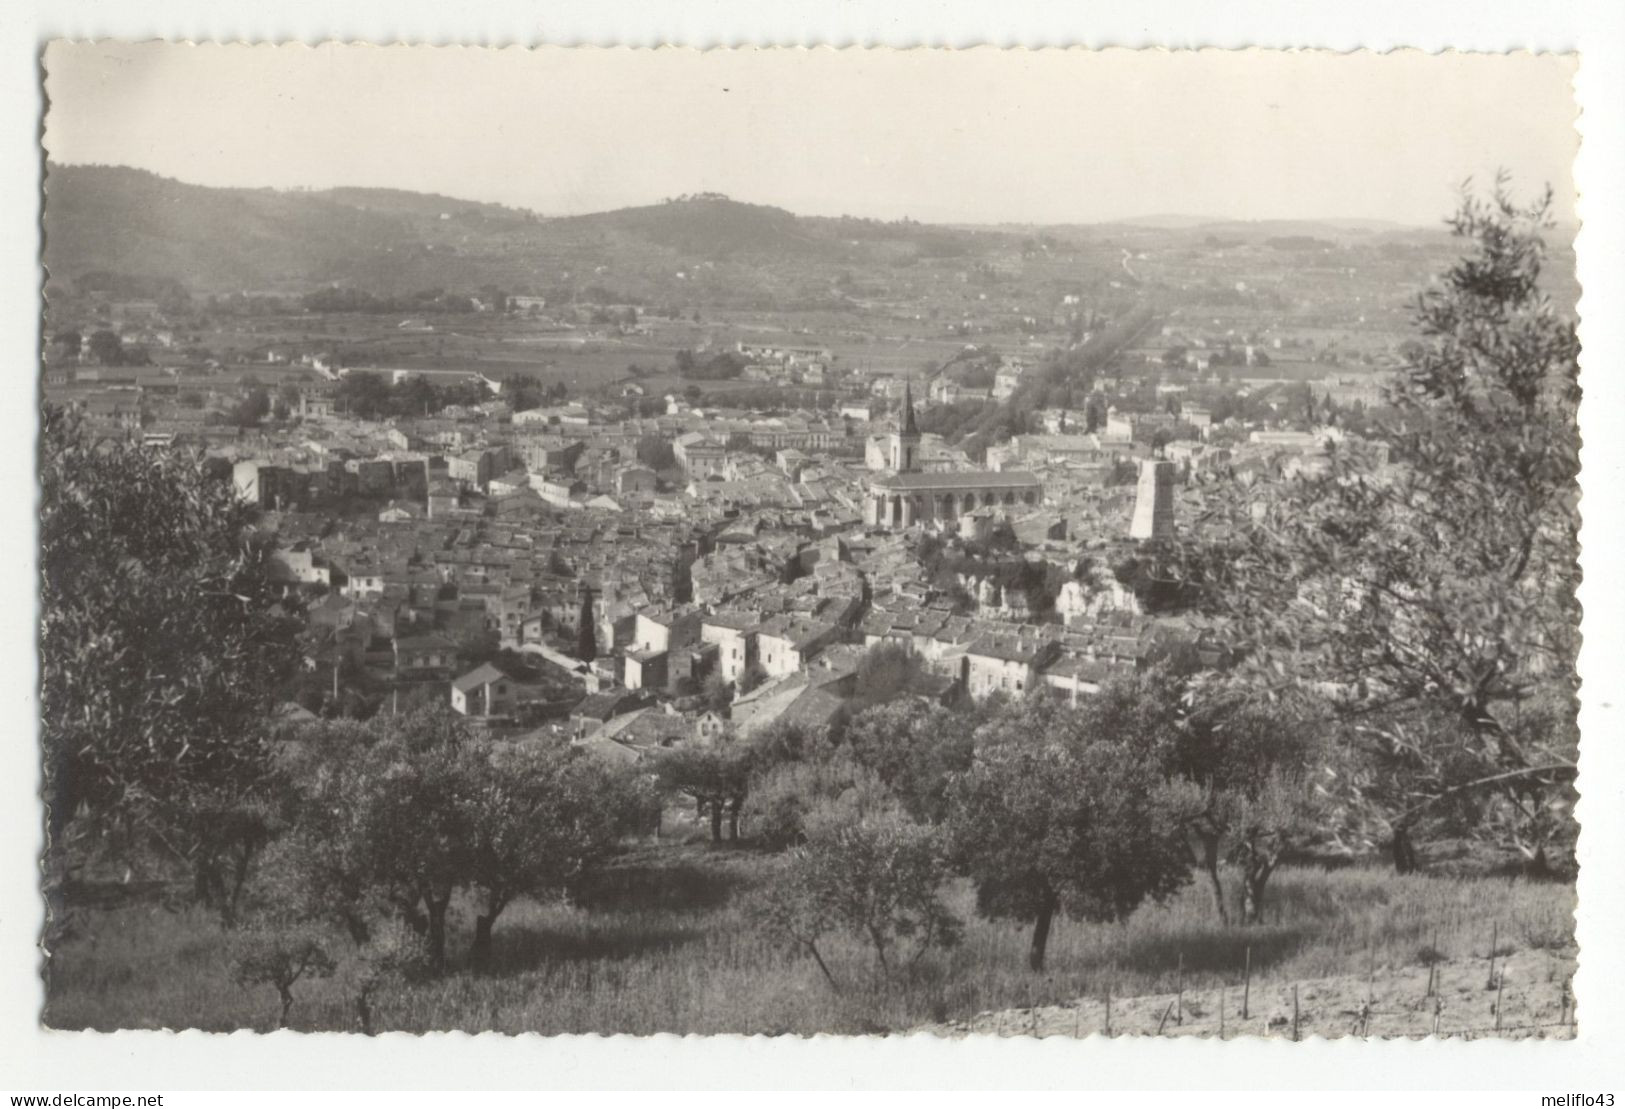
131 223
1175 222
1164 221
708 227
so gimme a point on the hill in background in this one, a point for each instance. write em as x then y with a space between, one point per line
114 227
128 222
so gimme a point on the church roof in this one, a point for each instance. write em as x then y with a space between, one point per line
959 479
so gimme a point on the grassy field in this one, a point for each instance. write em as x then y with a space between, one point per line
664 942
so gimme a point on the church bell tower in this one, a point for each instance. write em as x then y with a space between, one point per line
905 441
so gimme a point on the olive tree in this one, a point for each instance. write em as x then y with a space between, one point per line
914 749
280 959
1058 814
1433 568
396 816
789 801
416 820
1257 770
320 868
877 879
717 779
540 818
162 639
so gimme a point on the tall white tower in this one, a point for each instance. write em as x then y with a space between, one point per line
1154 501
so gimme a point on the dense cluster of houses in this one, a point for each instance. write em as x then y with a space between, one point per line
639 582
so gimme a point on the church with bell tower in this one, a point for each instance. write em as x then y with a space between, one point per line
904 497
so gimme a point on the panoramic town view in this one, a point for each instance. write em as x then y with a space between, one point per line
705 615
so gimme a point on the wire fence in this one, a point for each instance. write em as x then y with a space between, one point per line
1491 1030
1019 1027
1233 1015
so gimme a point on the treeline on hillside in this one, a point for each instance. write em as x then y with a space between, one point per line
973 368
718 367
335 299
1065 377
768 400
1063 380
521 392
166 291
372 396
954 421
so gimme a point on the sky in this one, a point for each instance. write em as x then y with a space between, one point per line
972 136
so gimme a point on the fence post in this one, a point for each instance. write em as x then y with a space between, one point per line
1108 1012
1370 974
1163 1023
1222 991
1499 982
1179 997
1495 941
1246 981
1438 957
1294 1012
